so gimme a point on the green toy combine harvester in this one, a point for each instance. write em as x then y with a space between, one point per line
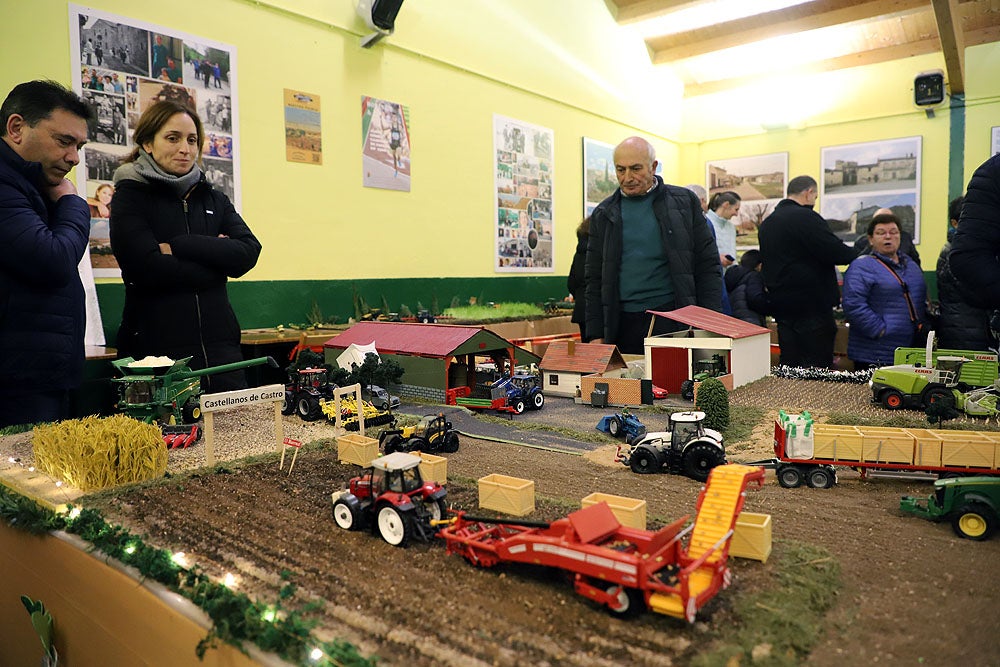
169 394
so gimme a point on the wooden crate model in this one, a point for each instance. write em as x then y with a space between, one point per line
968 449
926 447
836 443
751 536
509 495
433 468
357 449
881 444
630 512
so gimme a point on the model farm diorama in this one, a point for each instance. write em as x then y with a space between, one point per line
675 569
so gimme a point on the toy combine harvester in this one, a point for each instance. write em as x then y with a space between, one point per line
625 569
168 393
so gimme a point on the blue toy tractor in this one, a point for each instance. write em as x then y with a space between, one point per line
622 424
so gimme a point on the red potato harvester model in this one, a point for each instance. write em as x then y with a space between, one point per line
625 569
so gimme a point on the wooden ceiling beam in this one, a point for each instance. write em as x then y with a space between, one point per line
799 18
643 10
949 24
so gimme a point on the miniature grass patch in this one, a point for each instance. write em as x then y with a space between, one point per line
780 625
583 436
742 420
501 312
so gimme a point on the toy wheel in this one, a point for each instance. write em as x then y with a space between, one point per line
819 478
687 390
191 411
288 405
436 510
418 444
644 461
393 526
789 477
892 399
628 601
615 427
308 408
939 396
700 458
450 444
393 443
538 400
974 522
344 515
518 406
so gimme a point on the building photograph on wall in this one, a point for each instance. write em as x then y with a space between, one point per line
385 137
523 176
121 67
759 180
599 180
859 179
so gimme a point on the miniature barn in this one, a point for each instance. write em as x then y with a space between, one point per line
566 362
671 358
434 357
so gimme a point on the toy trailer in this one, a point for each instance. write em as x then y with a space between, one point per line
972 504
622 568
811 453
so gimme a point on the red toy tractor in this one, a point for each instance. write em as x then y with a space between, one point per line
392 499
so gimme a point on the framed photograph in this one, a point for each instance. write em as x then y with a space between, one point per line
759 180
995 140
859 179
524 178
385 144
599 180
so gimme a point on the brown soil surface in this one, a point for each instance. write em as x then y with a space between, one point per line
912 593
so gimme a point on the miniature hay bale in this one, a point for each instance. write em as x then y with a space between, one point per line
97 453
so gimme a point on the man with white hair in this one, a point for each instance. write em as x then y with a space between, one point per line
649 249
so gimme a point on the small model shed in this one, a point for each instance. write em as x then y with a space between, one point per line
670 358
434 357
566 361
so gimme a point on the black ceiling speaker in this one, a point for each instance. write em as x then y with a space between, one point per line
928 88
380 16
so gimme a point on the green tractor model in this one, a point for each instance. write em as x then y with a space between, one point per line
972 504
167 394
703 369
911 386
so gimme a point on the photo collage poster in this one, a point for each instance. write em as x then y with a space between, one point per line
385 144
859 179
759 180
524 178
121 67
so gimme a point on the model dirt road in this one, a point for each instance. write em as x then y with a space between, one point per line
911 593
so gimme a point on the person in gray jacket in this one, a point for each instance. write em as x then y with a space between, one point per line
649 249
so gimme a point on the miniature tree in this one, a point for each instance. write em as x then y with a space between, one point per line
713 400
939 412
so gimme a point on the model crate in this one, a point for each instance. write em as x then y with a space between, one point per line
926 447
357 449
885 445
836 443
433 468
630 512
751 536
968 449
509 495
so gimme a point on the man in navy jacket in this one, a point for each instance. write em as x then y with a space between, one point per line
44 227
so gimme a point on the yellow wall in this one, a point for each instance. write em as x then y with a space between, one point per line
982 102
454 64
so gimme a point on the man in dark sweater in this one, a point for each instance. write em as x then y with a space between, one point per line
44 227
800 252
649 249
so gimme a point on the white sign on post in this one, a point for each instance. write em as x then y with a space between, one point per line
272 393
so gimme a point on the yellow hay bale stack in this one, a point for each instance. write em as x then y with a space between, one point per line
100 452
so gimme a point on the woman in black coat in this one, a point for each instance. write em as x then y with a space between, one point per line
576 283
177 241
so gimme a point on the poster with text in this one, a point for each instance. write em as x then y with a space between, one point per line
385 144
859 179
599 180
523 167
759 180
120 67
303 139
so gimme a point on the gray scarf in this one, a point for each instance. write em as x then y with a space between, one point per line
145 170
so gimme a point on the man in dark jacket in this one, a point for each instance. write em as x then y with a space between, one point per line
800 252
961 325
44 228
746 289
649 249
975 252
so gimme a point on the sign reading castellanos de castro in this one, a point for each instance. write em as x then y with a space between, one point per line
242 398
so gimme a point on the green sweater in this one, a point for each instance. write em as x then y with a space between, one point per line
644 281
